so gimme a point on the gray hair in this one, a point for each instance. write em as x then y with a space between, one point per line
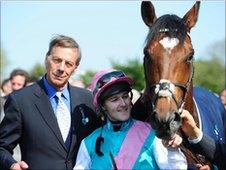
66 42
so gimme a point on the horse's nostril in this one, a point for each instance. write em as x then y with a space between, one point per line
177 117
154 120
175 122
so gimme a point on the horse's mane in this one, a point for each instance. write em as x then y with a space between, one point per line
171 25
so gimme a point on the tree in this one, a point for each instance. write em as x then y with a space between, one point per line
36 72
87 77
210 72
134 69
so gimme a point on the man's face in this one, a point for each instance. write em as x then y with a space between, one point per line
17 82
60 65
118 106
223 97
7 88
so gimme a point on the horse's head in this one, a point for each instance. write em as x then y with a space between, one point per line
168 66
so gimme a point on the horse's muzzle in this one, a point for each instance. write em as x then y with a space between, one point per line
165 127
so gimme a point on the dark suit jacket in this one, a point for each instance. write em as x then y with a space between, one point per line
30 121
214 151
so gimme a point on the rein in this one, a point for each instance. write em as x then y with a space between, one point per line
197 158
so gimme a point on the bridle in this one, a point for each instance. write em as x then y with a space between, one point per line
180 104
167 85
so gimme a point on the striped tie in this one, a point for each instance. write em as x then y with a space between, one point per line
63 116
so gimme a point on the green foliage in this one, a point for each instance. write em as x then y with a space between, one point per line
134 69
87 77
36 72
211 71
210 74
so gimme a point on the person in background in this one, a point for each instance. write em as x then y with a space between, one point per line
5 90
19 79
223 97
6 87
49 118
122 142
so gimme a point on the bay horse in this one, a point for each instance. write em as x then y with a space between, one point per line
169 70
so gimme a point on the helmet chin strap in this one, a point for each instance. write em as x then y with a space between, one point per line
116 122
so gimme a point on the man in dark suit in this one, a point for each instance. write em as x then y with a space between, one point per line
31 115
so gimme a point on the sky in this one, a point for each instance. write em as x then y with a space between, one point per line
105 30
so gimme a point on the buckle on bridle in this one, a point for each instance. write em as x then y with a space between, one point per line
164 86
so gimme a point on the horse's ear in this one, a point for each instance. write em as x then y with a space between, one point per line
148 13
191 16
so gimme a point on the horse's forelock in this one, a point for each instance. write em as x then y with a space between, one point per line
174 25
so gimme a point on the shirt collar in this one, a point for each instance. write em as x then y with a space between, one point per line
51 91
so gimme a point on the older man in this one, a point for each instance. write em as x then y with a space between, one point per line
49 118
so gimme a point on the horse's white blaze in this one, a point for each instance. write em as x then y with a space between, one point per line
169 43
166 92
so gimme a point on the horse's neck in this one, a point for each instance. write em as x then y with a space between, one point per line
190 105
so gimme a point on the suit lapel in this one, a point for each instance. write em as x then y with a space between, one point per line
74 102
73 97
44 106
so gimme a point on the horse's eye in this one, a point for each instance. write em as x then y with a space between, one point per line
190 57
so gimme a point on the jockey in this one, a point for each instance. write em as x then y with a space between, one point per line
122 142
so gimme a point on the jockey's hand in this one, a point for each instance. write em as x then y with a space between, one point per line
202 167
189 126
172 143
21 165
